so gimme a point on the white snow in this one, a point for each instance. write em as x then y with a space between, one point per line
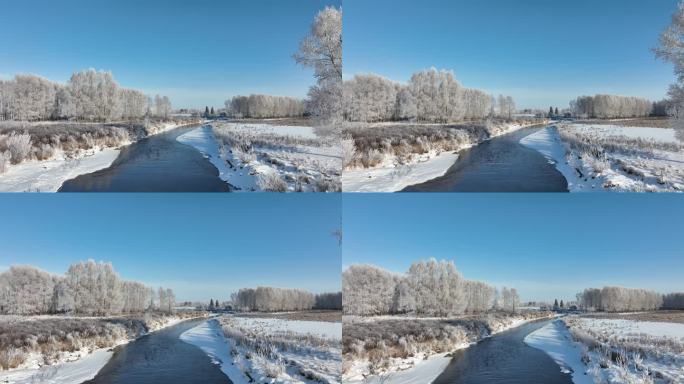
208 336
74 372
392 178
624 327
555 339
420 372
290 162
323 329
647 168
48 175
320 358
203 140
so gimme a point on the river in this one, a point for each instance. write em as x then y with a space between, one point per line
504 359
157 163
500 164
161 357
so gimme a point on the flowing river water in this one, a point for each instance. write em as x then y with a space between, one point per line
504 359
161 357
158 163
500 164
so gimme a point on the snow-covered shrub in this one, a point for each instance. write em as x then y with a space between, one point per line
4 161
19 146
348 149
11 357
271 182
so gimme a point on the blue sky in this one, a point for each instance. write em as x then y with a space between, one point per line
547 245
201 245
197 52
541 52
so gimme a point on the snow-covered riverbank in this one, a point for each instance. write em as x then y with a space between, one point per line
613 158
299 351
423 366
392 176
614 350
258 157
49 175
76 366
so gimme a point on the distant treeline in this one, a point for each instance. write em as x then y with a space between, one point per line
89 288
618 299
271 299
613 107
264 106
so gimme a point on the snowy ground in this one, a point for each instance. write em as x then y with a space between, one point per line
49 175
73 367
271 350
614 350
253 157
613 158
392 176
426 365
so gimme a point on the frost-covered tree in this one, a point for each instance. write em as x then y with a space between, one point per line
96 288
367 290
370 98
25 290
610 107
437 287
321 50
671 49
403 301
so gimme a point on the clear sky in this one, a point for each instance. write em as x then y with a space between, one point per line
201 245
197 52
546 245
541 52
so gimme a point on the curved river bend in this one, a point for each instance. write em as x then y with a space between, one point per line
161 357
504 359
500 164
158 163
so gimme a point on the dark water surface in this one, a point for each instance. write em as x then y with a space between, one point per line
501 164
161 358
504 359
157 163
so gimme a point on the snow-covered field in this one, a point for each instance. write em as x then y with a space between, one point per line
424 358
392 175
71 367
613 158
271 350
614 350
253 157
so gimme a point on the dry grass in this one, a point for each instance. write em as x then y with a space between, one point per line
657 316
313 315
289 121
648 122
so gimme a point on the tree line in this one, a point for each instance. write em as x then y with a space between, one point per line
430 288
264 106
611 107
617 299
89 288
89 95
271 299
430 96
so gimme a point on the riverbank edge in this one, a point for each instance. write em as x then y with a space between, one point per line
421 169
427 367
49 175
86 366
